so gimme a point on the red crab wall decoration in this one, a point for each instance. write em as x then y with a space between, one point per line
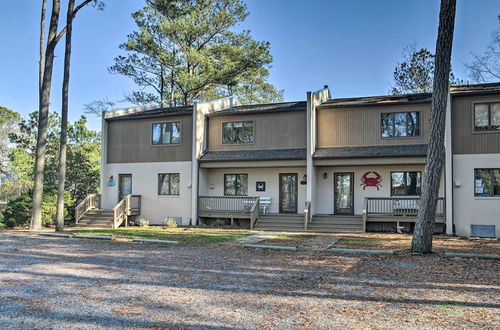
371 181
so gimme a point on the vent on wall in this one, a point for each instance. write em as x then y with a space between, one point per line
482 231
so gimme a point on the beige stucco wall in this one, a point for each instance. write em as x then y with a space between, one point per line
324 200
467 208
213 183
145 182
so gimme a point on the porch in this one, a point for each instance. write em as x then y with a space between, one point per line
391 211
383 214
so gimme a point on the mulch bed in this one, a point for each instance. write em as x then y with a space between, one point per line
402 243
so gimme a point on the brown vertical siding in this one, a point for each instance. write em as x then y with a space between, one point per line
360 126
129 141
283 130
465 140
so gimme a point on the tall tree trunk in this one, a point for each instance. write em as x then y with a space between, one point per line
41 63
64 120
424 227
43 118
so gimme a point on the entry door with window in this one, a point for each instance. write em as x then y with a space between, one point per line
343 193
124 185
288 193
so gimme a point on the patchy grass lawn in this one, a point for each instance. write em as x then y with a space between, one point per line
402 242
185 236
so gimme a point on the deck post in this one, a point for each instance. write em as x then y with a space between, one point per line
365 213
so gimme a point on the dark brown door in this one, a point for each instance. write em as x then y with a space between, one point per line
124 185
343 193
288 193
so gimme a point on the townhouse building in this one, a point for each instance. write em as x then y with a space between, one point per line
322 164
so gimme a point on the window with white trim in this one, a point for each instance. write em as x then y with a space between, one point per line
487 182
168 184
400 124
237 132
487 117
166 133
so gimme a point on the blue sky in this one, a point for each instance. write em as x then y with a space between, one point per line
353 46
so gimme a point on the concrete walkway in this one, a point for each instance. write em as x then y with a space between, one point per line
319 243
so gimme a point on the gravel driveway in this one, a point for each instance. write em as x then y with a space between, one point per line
61 283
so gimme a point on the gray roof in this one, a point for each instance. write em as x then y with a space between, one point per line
148 112
242 155
414 150
377 100
478 89
262 108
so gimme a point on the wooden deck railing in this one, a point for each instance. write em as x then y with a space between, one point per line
254 213
226 204
397 206
92 201
307 215
129 205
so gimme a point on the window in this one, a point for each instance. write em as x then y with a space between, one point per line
487 182
400 124
167 133
487 117
406 183
235 184
168 183
237 132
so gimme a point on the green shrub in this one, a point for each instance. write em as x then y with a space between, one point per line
219 223
143 222
18 211
170 222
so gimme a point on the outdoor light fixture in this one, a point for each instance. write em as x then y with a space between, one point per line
304 179
325 175
110 182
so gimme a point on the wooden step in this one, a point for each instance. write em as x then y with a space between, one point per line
337 222
95 221
278 224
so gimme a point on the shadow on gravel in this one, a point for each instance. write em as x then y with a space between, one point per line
120 274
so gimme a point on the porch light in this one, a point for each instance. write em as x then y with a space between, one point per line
110 182
325 175
304 179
